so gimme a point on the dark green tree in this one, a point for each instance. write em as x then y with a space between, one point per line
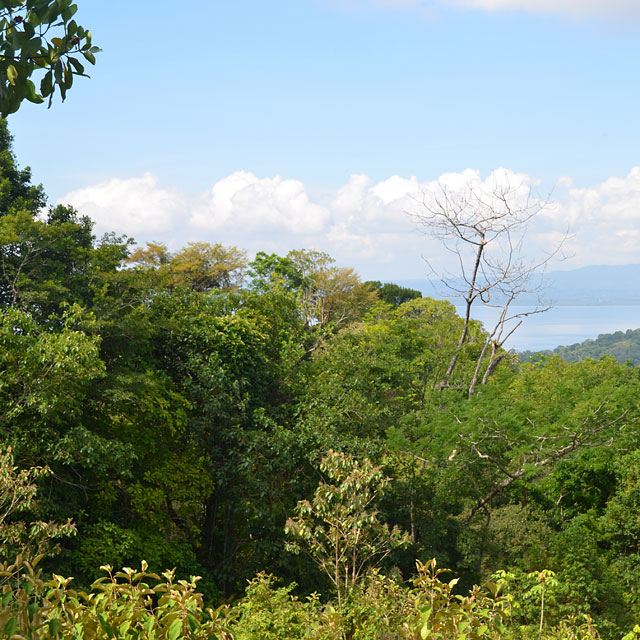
17 193
393 294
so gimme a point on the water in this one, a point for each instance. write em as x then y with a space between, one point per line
564 325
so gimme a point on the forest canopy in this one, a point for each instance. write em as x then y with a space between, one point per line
239 420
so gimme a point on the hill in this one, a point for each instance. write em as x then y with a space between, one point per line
622 345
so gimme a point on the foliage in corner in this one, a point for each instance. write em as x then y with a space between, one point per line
128 605
40 37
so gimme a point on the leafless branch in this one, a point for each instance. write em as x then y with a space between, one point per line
485 225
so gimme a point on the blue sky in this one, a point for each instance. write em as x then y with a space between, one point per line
283 124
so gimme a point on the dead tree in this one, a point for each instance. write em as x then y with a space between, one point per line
484 225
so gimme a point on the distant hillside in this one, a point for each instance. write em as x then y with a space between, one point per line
622 345
594 285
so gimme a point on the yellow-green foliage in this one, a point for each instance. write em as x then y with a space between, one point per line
381 608
139 605
126 605
480 614
269 612
18 537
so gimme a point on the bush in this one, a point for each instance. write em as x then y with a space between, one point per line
127 605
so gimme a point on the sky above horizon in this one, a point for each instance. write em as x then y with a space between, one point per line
321 123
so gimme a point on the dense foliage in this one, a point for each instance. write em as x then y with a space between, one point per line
240 420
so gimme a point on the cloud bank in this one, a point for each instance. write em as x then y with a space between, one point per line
572 8
251 203
365 224
133 205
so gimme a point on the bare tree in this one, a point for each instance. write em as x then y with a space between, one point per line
484 225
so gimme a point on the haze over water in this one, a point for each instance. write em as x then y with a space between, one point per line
565 325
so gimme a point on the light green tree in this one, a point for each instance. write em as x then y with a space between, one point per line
18 537
44 373
339 529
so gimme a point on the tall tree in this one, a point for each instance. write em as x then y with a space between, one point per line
329 297
17 193
200 266
484 225
393 294
203 266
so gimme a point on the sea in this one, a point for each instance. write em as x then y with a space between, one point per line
563 325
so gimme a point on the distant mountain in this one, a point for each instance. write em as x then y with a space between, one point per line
593 285
622 345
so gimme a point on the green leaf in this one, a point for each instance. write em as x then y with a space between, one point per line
174 629
148 624
11 627
32 96
46 85
76 65
193 624
105 625
54 625
68 76
12 74
33 46
124 627
34 19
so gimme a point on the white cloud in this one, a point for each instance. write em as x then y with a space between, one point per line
396 189
615 200
351 195
366 224
564 182
605 220
363 202
341 237
131 206
245 202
